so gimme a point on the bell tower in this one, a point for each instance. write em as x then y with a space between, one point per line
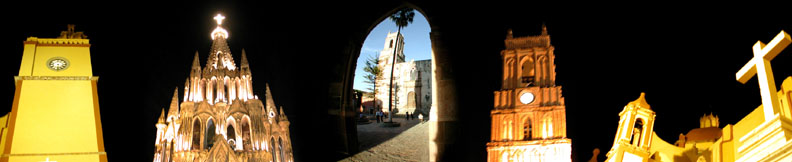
55 113
635 133
529 119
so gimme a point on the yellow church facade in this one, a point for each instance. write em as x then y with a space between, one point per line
765 134
55 111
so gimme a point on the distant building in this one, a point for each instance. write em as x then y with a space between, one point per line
220 119
412 80
529 119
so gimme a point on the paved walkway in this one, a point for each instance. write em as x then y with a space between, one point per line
410 142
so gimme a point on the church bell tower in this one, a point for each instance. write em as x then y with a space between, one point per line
55 112
635 133
529 119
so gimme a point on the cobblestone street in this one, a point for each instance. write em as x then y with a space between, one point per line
409 142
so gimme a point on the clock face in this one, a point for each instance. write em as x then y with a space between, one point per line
58 63
527 98
271 114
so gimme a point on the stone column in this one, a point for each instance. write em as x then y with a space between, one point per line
443 114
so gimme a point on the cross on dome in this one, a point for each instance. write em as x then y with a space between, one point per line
219 18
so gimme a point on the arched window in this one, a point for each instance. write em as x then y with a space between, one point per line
528 72
246 134
231 136
281 150
547 130
196 134
391 44
527 129
272 149
209 134
635 138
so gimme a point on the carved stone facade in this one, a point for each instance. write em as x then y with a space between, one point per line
412 80
529 119
220 119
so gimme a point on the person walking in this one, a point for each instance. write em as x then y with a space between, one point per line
377 115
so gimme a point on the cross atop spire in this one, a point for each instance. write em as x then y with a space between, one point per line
219 31
219 18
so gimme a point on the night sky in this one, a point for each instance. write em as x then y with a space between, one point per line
683 56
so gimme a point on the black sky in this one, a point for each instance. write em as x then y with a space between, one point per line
684 57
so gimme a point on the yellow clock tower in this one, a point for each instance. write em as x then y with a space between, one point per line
55 113
529 119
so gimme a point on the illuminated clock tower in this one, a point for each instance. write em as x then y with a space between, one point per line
55 113
529 119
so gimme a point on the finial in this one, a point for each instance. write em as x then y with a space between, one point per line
219 18
219 31
544 29
509 33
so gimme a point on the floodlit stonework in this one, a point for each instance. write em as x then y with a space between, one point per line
529 119
763 135
219 118
412 80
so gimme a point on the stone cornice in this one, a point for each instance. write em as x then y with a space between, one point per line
58 42
56 78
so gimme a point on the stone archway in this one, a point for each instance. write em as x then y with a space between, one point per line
442 116
466 72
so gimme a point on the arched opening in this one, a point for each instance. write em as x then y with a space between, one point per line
527 129
246 134
635 138
452 54
405 54
410 101
528 72
209 134
272 150
196 134
547 127
231 136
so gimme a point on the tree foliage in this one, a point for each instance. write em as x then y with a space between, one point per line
373 72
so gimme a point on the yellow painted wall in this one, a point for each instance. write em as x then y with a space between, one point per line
26 68
55 116
79 59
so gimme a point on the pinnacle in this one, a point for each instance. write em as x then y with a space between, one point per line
196 61
244 61
162 117
174 106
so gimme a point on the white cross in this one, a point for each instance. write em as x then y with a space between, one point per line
219 18
760 66
49 160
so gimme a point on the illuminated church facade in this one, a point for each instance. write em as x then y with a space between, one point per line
529 119
765 134
219 117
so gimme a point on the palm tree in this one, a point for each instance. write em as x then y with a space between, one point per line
402 18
